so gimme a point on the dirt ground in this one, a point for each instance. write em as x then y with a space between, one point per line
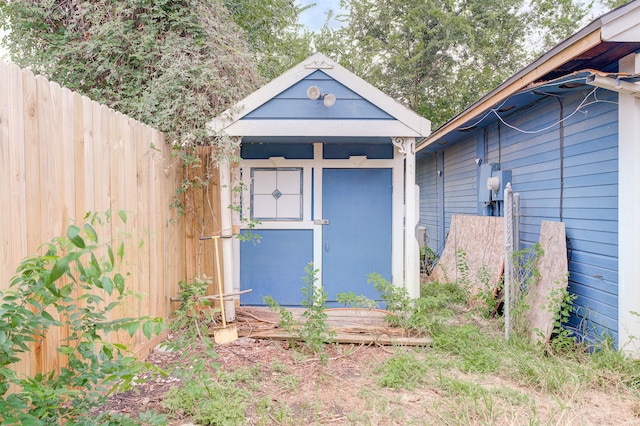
321 394
301 390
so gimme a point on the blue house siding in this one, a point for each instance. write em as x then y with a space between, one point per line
574 180
460 182
431 200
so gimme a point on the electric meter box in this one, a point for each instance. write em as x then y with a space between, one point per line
484 193
492 182
504 177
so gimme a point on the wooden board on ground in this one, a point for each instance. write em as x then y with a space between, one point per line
544 298
351 325
351 338
481 239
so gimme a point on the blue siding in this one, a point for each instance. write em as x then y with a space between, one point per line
431 189
580 188
293 103
589 201
460 181
275 266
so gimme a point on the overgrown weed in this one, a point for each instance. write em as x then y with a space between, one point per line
314 331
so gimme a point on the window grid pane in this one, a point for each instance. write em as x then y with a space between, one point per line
276 194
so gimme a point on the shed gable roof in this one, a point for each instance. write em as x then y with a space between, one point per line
281 108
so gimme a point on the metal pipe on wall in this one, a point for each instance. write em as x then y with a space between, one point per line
508 252
516 221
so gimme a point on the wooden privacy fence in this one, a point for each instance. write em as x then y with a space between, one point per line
202 215
62 155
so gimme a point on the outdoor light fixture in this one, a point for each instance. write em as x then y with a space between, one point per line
313 93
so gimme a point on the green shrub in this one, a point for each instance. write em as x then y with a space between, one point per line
68 287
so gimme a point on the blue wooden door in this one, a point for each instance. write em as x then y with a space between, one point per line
357 239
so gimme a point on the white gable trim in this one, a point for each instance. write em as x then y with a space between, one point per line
228 121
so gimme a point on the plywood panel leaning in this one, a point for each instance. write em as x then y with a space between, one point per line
473 254
544 298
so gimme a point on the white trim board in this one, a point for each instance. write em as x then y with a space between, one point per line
628 212
320 128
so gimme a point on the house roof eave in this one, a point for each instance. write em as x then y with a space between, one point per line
582 41
620 25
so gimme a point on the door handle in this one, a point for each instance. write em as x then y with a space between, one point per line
326 246
321 222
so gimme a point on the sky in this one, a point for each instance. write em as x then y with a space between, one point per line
314 17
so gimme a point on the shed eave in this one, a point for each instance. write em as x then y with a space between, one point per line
320 128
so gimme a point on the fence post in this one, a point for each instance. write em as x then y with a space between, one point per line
508 254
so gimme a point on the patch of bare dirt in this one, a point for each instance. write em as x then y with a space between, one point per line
296 389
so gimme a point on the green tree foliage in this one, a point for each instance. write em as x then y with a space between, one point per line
276 39
171 64
438 56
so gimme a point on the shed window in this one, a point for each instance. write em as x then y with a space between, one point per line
276 194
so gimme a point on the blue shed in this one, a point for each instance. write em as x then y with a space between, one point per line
567 127
328 167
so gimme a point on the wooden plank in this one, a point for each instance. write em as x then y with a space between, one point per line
129 197
346 338
89 112
165 250
542 298
17 207
12 136
63 117
175 233
77 153
481 239
6 267
32 153
101 202
32 183
144 210
48 98
155 259
67 158
344 320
